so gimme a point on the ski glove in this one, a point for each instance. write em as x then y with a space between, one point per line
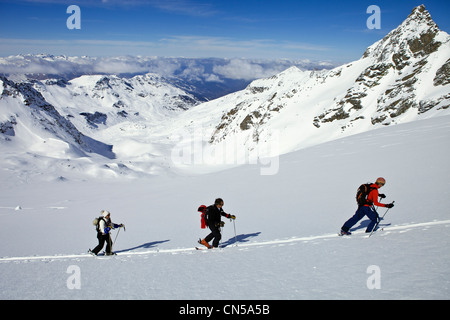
390 205
232 217
382 195
107 230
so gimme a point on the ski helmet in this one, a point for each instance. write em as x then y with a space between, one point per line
381 181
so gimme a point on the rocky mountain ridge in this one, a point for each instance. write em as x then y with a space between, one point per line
44 117
138 123
400 78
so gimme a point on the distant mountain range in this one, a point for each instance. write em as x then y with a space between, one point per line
207 78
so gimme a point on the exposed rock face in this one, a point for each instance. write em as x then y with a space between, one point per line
46 117
400 77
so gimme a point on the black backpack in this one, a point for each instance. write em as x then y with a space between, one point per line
362 193
96 223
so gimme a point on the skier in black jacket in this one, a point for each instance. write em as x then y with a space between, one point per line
213 218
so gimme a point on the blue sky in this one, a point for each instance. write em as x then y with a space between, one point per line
333 31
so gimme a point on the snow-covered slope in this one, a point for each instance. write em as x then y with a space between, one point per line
29 123
401 78
147 124
286 228
52 124
286 244
94 103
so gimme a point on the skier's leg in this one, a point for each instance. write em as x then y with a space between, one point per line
373 216
217 237
101 243
108 244
359 214
210 236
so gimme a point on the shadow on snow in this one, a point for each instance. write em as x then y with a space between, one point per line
147 245
239 238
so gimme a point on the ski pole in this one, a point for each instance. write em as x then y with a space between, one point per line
235 237
115 239
110 244
123 226
220 241
386 211
379 220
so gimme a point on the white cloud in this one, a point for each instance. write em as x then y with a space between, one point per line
186 7
202 46
245 69
213 78
186 46
118 66
208 70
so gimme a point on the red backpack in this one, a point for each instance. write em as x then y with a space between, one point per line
204 222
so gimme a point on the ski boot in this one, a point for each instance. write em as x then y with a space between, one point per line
206 244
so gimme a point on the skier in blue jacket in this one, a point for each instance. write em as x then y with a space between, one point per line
104 227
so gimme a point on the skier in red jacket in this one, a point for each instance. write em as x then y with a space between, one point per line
367 209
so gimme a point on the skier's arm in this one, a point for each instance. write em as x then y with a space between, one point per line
226 215
373 196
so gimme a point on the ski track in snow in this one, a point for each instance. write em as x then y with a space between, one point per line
398 228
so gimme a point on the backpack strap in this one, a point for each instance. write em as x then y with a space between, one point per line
369 189
98 223
363 192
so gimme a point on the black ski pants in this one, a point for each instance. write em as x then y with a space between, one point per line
102 238
215 234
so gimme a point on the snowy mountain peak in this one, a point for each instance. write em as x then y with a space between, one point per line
420 15
417 36
400 78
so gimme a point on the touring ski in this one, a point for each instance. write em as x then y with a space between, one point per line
101 254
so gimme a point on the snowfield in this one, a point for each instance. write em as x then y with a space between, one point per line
286 154
287 223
